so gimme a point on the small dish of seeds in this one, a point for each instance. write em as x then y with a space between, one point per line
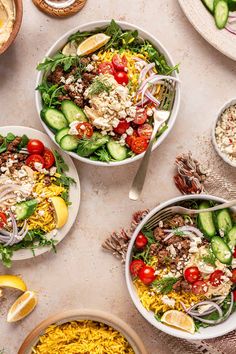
224 133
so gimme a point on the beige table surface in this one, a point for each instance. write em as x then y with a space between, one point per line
81 275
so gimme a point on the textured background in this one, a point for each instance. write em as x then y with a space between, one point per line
81 275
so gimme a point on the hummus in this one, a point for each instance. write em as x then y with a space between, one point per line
7 18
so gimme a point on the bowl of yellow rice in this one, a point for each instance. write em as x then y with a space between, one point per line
82 331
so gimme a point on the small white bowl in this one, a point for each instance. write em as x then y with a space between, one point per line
219 152
146 35
204 333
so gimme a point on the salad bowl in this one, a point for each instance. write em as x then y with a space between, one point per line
35 188
84 315
112 156
142 291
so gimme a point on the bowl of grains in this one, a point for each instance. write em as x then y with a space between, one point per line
224 133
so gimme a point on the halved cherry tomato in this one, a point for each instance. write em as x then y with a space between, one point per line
121 77
139 144
215 277
119 63
122 127
84 129
135 266
49 158
141 241
199 287
145 130
141 116
35 158
233 278
192 274
106 68
147 274
234 253
3 219
129 138
234 294
35 146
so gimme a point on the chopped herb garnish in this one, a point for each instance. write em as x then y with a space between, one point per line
165 285
99 86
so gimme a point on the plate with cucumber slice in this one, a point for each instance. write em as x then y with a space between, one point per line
39 194
92 95
215 20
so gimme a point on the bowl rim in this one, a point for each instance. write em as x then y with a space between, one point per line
157 43
84 314
224 157
133 294
16 26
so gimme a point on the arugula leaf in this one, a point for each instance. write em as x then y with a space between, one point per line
50 93
10 137
50 64
6 255
165 285
3 146
24 142
60 163
103 154
150 236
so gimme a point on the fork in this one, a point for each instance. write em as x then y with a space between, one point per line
166 213
161 115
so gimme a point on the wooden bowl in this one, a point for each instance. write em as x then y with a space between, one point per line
76 315
16 26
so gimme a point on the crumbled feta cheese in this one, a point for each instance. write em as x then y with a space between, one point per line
41 212
129 131
89 67
167 301
149 112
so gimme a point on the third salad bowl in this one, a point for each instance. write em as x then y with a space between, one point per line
98 88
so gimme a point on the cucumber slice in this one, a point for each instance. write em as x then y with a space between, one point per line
117 151
231 237
60 134
209 5
73 112
54 119
69 142
221 13
25 209
87 147
221 250
224 221
206 221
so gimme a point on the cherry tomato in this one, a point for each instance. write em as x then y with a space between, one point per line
234 253
119 63
122 127
106 68
3 219
139 144
141 116
147 274
49 158
122 78
135 266
192 274
129 138
233 278
234 294
32 159
84 129
145 130
199 287
141 241
215 277
35 146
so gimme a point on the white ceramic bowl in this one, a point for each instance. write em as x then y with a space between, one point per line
91 26
204 333
219 152
78 315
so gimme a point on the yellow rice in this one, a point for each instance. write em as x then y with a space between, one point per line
82 337
46 220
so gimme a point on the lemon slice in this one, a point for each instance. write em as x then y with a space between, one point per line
61 211
12 281
22 307
70 49
179 320
91 44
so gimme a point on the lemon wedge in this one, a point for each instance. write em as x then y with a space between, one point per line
22 307
61 211
12 281
91 44
70 49
179 320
